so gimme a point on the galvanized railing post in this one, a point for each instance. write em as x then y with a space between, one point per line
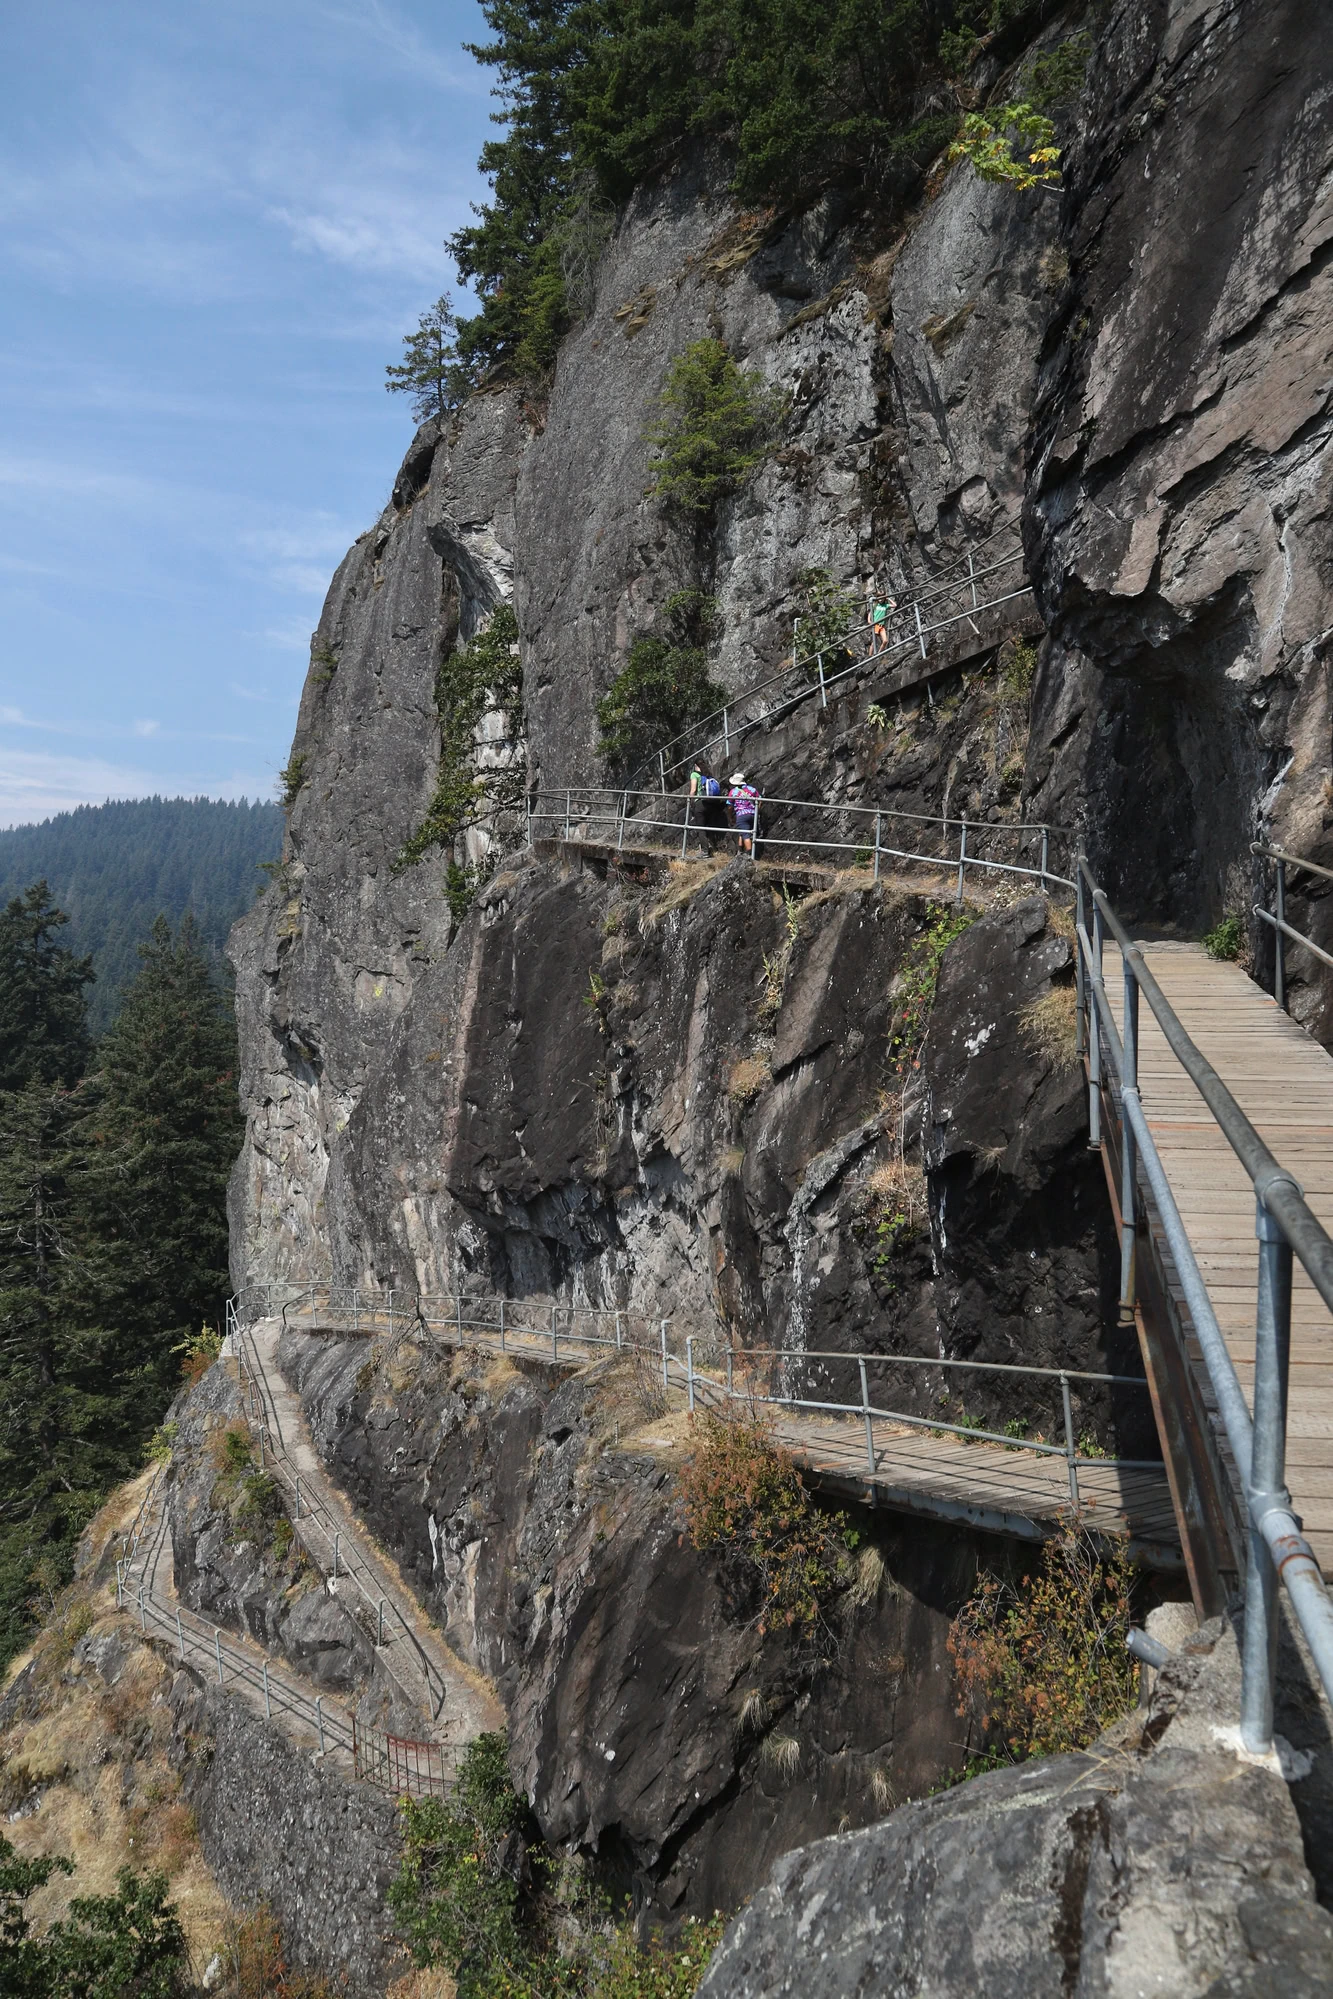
620 829
869 1427
689 1372
1080 970
143 1622
1095 1035
1045 853
379 1636
665 1380
877 820
268 1705
337 1541
1268 1487
527 800
502 1325
962 859
1071 1449
319 1721
726 738
661 769
298 1495
555 1337
730 1361
180 1637
1129 1086
458 1314
1279 941
619 1339
217 1651
823 691
685 835
920 635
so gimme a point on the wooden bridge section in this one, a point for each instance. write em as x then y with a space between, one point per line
1283 1081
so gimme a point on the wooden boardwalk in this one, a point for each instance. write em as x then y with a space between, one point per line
1283 1081
1003 1488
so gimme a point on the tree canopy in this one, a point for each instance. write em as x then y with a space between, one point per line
113 1236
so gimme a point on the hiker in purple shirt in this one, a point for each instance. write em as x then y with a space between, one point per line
744 802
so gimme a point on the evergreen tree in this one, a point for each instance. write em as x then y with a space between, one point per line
43 1011
430 372
63 1434
113 1234
166 1135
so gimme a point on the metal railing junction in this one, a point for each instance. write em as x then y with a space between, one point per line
1285 1226
871 836
1276 918
991 573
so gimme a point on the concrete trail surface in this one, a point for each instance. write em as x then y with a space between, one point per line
457 1702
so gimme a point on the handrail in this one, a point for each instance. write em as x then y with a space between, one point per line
1277 919
1285 1226
629 812
941 585
253 1374
486 1317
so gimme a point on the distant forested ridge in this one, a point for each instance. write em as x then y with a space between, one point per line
113 869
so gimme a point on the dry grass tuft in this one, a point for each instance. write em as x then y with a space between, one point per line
782 1755
684 881
869 1577
435 1984
1060 921
748 1078
881 1791
756 1713
1050 1025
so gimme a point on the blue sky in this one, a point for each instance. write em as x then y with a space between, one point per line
216 223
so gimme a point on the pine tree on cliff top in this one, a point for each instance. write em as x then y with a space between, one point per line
430 372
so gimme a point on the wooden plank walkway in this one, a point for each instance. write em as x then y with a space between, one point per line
1003 1488
1283 1081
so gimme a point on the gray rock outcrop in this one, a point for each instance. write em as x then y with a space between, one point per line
1167 1865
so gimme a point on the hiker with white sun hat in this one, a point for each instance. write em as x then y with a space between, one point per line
744 802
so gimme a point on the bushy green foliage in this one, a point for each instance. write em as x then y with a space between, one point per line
1227 939
480 677
665 685
603 93
717 425
291 778
744 1495
1043 1659
989 138
108 1947
458 1904
114 868
828 613
916 985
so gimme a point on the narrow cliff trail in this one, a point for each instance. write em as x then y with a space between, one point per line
242 1667
458 1701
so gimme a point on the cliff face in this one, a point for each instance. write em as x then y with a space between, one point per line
1179 481
685 1089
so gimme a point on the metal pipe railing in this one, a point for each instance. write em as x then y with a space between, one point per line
578 811
457 1317
1286 1227
960 578
261 1405
1276 918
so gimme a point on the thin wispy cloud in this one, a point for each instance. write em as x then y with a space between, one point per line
217 225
